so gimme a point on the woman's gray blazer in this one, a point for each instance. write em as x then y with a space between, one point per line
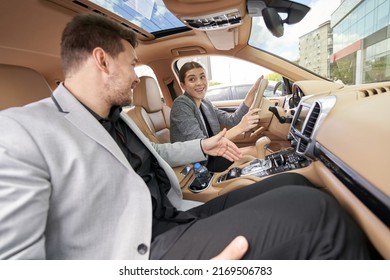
187 121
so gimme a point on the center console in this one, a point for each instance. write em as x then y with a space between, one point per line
281 161
308 116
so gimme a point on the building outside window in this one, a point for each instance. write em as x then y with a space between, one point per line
361 44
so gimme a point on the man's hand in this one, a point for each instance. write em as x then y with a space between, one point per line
218 145
235 250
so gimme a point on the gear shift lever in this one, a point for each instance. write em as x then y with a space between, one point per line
261 146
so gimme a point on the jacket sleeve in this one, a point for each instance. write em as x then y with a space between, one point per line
24 194
180 153
184 122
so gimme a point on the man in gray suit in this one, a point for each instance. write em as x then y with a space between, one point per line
78 180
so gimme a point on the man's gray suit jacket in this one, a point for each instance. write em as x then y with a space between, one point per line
66 189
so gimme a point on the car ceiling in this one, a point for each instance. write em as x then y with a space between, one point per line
30 34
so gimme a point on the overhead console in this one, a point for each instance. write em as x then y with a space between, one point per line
219 27
216 21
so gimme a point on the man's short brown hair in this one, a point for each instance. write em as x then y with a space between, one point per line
89 31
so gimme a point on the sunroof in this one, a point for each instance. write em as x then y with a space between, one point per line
150 15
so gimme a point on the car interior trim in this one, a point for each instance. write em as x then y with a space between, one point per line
373 198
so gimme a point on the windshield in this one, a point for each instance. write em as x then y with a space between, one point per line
344 40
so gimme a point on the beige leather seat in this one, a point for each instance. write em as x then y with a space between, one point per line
20 86
152 117
149 112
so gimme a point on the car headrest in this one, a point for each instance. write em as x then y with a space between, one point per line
147 95
20 86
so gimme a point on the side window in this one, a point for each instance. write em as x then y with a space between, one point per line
242 90
230 78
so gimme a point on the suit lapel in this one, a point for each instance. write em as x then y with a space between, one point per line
82 119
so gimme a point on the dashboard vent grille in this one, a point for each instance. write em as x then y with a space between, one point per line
302 146
311 122
373 91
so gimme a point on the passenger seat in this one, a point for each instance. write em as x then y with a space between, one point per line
152 117
150 114
20 86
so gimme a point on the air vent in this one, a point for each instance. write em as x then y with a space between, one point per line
311 122
373 91
309 128
302 146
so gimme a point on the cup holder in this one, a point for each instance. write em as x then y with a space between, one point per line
196 187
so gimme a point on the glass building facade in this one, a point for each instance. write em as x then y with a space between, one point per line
361 41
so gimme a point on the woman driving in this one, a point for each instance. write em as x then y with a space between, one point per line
193 116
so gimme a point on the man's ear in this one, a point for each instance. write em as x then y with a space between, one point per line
101 59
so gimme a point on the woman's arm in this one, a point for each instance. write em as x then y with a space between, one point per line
241 120
248 122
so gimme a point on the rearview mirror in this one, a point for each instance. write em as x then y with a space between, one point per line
270 10
273 21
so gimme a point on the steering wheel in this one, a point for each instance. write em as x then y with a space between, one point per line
278 84
257 101
295 98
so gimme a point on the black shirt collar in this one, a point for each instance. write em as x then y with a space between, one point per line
113 116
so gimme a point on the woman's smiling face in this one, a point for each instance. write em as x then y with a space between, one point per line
195 83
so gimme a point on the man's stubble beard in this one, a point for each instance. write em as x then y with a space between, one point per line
119 96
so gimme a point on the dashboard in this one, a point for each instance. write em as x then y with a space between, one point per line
304 127
344 130
339 136
307 119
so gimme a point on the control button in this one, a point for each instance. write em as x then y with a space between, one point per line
142 249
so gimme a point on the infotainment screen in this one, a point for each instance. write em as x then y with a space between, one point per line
301 117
